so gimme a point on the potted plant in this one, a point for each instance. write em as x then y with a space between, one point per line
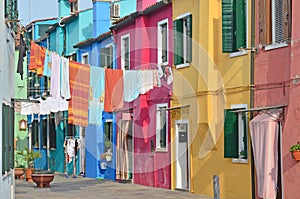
29 156
108 154
295 150
19 167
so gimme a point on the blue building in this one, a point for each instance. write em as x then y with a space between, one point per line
99 51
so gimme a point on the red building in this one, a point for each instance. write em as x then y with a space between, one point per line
144 42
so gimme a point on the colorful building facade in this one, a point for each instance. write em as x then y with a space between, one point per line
143 41
211 78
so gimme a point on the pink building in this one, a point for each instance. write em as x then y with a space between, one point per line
277 85
144 42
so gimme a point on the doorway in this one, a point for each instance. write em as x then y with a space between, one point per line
182 155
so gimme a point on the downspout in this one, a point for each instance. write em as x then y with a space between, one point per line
65 36
252 90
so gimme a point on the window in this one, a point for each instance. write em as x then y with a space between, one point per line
234 25
73 57
71 130
106 57
52 133
44 133
108 134
182 28
162 42
46 86
11 9
74 6
235 134
125 52
274 21
85 58
161 127
7 138
35 133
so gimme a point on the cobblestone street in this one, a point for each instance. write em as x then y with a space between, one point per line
78 188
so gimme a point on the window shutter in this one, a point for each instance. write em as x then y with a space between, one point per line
190 38
240 24
175 43
262 22
228 29
244 117
5 144
110 57
279 21
11 136
287 19
163 129
102 57
230 134
52 134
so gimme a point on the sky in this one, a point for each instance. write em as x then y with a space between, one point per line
30 10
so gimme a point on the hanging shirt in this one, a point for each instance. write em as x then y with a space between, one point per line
22 54
114 89
64 79
47 64
55 76
132 82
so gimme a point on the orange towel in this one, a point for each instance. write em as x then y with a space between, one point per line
114 90
37 58
79 88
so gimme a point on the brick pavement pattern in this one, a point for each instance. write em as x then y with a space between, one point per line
78 188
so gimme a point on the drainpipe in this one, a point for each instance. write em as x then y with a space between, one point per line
252 89
65 36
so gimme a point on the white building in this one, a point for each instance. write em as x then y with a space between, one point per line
8 13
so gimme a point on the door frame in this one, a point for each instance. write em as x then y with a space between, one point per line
184 121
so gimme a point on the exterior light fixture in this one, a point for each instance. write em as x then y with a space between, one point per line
23 125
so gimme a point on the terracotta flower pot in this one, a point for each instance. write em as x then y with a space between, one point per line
42 180
296 155
28 173
19 172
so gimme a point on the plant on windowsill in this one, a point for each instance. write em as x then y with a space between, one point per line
108 154
29 156
295 150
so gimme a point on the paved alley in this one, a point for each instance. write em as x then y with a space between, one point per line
78 188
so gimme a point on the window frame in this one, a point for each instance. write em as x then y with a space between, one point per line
108 136
187 56
85 57
160 42
158 147
241 134
123 53
269 24
236 52
107 56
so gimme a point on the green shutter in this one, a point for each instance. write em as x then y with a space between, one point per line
228 25
178 41
240 24
230 134
4 140
190 38
245 137
11 136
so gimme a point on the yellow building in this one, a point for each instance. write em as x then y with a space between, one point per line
212 67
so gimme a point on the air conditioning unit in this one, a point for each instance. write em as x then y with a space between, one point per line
115 11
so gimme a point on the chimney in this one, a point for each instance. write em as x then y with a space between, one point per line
101 16
142 4
63 8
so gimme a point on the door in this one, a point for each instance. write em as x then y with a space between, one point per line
124 166
182 155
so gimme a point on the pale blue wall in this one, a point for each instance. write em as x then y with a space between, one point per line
127 7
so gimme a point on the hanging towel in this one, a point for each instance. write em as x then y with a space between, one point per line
55 76
114 88
97 75
37 58
132 82
80 87
28 108
64 79
22 54
47 64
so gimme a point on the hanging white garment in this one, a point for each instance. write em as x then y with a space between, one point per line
64 79
28 108
71 147
132 82
55 76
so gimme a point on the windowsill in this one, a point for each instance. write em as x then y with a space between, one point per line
182 65
7 174
240 161
274 46
239 53
161 150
